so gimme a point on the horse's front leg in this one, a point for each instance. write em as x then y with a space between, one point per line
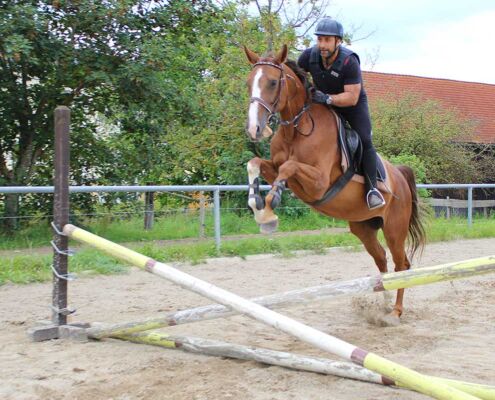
309 180
264 216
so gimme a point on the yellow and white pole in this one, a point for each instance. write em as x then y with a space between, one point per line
405 376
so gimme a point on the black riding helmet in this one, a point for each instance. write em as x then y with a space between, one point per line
329 27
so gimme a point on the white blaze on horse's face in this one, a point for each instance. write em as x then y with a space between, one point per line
256 126
253 120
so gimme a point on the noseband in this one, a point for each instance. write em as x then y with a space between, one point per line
271 108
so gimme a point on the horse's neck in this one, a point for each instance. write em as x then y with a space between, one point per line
294 104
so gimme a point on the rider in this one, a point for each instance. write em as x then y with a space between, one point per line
336 75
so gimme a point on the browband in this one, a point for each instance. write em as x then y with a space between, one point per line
268 63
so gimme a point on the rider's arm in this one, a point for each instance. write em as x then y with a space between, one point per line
352 84
349 97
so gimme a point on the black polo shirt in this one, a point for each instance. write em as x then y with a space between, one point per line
349 75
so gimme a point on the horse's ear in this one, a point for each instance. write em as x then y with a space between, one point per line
251 55
282 55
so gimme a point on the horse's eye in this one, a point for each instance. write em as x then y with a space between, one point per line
273 83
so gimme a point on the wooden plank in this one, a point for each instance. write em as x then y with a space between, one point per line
458 203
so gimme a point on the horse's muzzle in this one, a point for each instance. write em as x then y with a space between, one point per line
259 131
255 136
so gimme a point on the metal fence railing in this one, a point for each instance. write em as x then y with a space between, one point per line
216 189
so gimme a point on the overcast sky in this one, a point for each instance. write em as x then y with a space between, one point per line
449 39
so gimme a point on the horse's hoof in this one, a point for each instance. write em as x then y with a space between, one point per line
391 319
269 227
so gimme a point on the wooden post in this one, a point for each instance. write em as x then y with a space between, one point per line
61 214
149 210
202 215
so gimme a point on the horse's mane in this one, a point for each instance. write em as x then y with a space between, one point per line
301 74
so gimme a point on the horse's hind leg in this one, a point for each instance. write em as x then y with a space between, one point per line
367 232
396 236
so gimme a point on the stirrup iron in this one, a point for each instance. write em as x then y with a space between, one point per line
374 199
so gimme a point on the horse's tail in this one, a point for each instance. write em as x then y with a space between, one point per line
416 228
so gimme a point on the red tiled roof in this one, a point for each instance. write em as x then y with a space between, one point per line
474 101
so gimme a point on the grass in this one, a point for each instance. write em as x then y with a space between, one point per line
258 245
441 230
173 226
30 269
37 234
27 269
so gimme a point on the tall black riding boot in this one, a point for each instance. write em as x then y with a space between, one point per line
374 198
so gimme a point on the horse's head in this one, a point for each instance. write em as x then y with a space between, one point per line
265 84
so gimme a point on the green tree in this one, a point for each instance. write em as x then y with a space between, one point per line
94 56
412 126
215 149
287 20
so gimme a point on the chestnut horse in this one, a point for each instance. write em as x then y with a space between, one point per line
306 157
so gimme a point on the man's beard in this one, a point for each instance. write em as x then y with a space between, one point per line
326 54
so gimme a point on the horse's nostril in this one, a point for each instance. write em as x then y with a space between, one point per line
258 132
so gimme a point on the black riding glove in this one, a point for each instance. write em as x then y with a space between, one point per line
319 97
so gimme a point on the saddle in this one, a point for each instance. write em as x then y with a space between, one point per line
352 157
352 152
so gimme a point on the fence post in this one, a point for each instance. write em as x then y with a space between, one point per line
149 210
216 213
447 214
202 214
470 206
61 214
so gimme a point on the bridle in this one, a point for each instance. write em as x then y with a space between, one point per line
271 108
281 80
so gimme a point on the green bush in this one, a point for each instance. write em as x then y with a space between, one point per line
412 126
418 167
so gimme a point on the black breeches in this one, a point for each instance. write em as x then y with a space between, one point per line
361 123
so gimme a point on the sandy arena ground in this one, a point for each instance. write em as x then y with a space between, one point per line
448 330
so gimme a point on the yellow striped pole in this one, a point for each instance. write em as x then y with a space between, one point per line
389 281
437 273
288 360
394 371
